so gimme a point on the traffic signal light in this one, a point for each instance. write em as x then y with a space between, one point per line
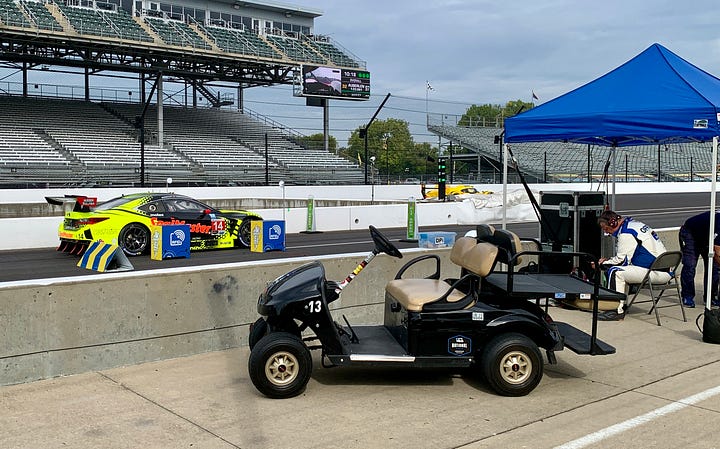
442 178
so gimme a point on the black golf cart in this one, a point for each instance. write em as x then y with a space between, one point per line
487 318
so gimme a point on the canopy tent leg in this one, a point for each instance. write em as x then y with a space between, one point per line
711 231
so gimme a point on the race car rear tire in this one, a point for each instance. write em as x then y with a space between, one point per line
512 364
280 365
134 239
244 232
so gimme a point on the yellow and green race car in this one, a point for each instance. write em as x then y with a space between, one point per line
126 221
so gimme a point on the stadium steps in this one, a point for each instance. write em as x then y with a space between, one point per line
210 42
127 120
157 39
195 167
60 18
216 102
58 146
40 15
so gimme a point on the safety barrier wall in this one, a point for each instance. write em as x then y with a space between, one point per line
39 231
66 326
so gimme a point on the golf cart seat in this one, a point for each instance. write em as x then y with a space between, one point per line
476 260
508 242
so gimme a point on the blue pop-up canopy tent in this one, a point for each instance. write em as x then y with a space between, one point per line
656 97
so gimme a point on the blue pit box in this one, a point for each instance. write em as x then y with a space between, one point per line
267 235
436 239
169 242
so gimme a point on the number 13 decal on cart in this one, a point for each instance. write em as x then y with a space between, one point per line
314 306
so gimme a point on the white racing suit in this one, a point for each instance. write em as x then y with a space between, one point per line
637 248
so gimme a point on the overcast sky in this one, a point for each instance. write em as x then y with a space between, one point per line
478 52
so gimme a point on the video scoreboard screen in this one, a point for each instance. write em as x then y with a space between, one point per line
332 82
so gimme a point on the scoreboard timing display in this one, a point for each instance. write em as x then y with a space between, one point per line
333 82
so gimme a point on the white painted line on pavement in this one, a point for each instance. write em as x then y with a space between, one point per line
639 420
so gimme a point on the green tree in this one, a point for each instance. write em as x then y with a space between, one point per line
516 106
317 142
492 114
389 141
483 115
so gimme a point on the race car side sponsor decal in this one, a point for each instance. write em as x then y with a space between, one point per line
216 227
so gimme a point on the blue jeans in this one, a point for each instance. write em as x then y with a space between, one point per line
690 255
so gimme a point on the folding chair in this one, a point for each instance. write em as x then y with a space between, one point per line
668 262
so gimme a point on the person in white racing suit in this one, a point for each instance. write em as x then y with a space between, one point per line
638 245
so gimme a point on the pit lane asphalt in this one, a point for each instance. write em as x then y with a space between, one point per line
657 210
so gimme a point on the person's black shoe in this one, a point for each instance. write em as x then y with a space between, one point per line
611 315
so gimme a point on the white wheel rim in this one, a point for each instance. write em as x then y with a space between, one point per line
515 367
282 368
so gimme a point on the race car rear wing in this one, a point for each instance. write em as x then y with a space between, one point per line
80 203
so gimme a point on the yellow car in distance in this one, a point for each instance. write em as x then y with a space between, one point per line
430 191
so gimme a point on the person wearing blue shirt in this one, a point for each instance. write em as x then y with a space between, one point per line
693 238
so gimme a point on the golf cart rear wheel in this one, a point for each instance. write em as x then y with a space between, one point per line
512 364
280 365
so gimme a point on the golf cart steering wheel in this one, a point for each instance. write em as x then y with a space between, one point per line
383 245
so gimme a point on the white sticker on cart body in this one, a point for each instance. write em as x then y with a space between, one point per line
585 296
478 316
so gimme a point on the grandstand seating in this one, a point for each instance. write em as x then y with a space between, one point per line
96 144
295 49
234 144
21 146
99 22
568 162
10 14
40 15
175 32
242 42
323 45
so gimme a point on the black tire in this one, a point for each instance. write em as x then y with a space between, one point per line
280 365
134 239
258 330
244 232
512 364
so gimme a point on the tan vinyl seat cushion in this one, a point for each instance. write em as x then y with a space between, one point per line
413 294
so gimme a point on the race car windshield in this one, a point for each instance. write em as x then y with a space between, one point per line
115 202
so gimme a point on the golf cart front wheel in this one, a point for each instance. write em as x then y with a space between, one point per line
258 330
280 365
512 364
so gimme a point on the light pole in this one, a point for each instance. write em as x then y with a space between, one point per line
372 182
363 133
282 186
386 147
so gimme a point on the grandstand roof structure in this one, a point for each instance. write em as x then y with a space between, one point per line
251 43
